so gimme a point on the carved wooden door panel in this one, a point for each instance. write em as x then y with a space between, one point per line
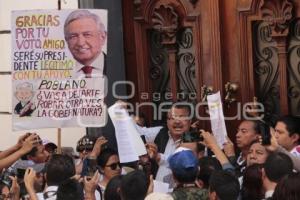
172 50
179 46
270 54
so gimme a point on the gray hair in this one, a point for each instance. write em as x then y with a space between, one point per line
79 14
25 85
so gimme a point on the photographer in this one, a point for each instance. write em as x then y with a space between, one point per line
10 189
89 150
25 144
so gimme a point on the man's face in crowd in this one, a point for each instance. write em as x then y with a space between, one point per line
24 94
112 168
85 40
246 134
178 121
256 154
84 153
283 136
41 156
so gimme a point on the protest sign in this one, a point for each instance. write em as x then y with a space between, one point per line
58 68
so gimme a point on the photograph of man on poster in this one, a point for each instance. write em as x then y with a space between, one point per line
86 36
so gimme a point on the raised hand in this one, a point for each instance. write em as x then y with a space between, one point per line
91 185
228 148
97 147
152 151
30 142
15 188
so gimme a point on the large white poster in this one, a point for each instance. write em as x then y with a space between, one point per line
58 68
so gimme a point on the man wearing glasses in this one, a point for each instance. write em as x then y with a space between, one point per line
168 138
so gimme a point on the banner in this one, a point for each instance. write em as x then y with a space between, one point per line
58 68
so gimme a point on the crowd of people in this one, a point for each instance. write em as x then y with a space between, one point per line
262 163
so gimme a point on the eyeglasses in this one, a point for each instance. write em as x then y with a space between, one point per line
114 166
82 149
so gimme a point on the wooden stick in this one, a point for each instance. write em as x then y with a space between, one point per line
59 4
59 141
59 129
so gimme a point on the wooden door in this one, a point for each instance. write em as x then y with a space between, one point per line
188 46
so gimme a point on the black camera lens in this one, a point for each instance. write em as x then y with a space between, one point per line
5 177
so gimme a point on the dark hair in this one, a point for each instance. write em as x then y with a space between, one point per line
256 125
277 166
292 124
112 189
134 186
183 105
200 147
207 166
252 187
70 190
225 185
104 156
32 153
288 188
50 147
186 175
59 168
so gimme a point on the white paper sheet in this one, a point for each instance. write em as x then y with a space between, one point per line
130 144
217 118
160 187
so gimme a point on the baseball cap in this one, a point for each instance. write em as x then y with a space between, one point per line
183 161
85 143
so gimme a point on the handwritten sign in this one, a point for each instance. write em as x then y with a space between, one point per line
49 48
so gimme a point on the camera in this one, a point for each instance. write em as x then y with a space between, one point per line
21 173
191 136
91 167
4 178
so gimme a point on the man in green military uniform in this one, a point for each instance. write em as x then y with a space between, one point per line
185 168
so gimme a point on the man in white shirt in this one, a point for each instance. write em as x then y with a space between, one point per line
168 138
287 133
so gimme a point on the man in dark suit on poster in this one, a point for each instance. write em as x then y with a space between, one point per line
86 35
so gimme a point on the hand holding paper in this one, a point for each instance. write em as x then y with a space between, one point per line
130 144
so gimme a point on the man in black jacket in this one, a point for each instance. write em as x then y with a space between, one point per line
167 138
